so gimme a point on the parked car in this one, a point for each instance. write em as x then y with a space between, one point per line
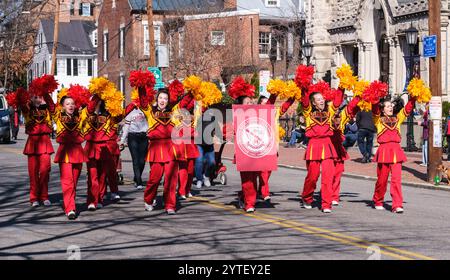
5 126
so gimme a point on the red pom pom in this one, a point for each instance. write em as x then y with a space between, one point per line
80 95
240 88
304 76
324 88
11 98
176 90
142 79
22 97
375 92
43 85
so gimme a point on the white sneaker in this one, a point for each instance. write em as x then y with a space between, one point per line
114 197
148 207
99 206
334 203
92 207
35 204
326 211
139 187
207 182
424 164
189 195
170 212
71 215
47 202
379 208
182 197
267 198
306 205
199 185
250 210
398 210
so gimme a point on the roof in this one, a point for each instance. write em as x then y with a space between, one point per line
73 36
176 5
288 9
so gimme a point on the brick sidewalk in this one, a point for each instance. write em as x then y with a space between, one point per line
413 174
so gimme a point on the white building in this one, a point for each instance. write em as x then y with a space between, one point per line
76 53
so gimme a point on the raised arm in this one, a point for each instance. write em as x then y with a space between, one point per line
286 105
143 100
272 99
185 101
338 98
51 105
92 104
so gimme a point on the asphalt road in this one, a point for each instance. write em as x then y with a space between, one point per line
211 226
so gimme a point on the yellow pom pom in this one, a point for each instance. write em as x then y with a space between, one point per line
279 88
419 90
210 94
345 75
359 87
134 95
365 106
99 85
281 132
192 85
107 92
63 92
294 90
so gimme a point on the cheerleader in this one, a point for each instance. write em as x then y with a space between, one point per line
163 153
70 155
389 156
38 126
320 151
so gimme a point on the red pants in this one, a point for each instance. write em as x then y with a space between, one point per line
70 172
39 172
186 176
98 170
338 170
170 172
312 177
383 170
249 188
111 176
263 178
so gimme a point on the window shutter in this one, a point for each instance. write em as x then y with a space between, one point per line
75 67
69 67
90 68
92 9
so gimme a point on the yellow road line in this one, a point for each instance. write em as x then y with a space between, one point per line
327 234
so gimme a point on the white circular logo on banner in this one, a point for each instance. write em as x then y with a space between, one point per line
254 137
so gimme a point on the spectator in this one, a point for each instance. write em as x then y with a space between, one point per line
425 135
447 134
299 133
14 113
350 133
134 134
366 130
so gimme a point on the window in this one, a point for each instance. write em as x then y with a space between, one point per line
69 67
94 38
121 42
40 40
90 68
113 4
82 67
85 9
44 67
146 40
37 70
273 3
218 38
72 8
61 66
75 67
171 46
181 43
105 46
157 35
264 44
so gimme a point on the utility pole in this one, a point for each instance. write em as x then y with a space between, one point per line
55 37
434 25
151 33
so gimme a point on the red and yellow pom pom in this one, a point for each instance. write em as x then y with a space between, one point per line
80 95
359 87
279 88
303 76
324 88
142 79
239 87
176 91
375 92
107 92
210 94
345 75
294 90
43 85
419 90
192 85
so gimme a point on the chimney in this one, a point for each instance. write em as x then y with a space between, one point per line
230 5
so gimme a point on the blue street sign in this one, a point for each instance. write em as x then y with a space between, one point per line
430 46
158 77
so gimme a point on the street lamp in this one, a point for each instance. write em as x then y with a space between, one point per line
307 51
411 38
273 55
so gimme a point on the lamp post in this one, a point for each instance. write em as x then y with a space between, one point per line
307 51
273 55
411 38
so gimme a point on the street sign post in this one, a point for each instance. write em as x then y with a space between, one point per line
158 77
430 46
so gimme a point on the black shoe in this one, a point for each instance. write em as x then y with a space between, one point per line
364 160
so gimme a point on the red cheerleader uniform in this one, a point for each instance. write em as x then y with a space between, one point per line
320 150
38 126
98 130
187 166
111 173
70 154
338 139
390 155
163 153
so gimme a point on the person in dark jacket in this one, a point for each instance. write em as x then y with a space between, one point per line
364 121
447 134
351 134
425 135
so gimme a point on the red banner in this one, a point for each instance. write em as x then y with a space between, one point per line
256 137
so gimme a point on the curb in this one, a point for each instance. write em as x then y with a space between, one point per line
374 179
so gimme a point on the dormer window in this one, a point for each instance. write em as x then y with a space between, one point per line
272 3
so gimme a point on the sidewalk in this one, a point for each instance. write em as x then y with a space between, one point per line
413 174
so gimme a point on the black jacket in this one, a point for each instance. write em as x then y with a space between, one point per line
364 120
